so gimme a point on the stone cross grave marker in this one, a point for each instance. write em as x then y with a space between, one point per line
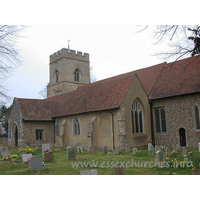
134 150
150 150
89 172
35 163
71 153
26 157
45 147
159 156
105 148
118 170
3 149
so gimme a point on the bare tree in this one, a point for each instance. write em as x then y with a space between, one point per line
43 92
9 55
183 40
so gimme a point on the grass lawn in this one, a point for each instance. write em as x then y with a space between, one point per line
61 166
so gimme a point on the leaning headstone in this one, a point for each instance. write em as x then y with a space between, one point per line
26 157
150 150
157 147
45 147
3 149
89 172
168 151
159 156
105 148
48 156
71 153
199 146
6 153
184 150
118 170
35 163
134 151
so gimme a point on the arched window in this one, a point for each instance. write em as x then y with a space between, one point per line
76 75
160 120
137 117
76 126
56 73
196 110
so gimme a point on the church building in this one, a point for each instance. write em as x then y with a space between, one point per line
158 104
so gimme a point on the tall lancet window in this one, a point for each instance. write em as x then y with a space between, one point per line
137 117
76 126
56 73
76 75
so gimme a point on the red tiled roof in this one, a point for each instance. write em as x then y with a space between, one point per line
178 78
36 109
103 95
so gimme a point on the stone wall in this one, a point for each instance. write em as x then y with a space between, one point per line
179 114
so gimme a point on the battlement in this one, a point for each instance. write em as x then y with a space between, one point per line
64 53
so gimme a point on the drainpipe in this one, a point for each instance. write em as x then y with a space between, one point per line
113 130
152 125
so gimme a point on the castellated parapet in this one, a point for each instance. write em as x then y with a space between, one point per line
64 53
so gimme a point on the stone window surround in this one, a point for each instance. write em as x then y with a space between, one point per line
73 121
154 120
195 120
37 131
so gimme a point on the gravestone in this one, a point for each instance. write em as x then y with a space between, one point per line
3 149
45 147
150 150
118 170
92 150
105 148
157 147
35 163
175 148
134 151
159 156
149 145
184 151
89 172
168 151
79 149
48 156
199 146
5 153
71 153
26 157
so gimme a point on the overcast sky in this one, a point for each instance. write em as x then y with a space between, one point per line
113 50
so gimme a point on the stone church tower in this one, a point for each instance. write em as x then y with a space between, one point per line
68 70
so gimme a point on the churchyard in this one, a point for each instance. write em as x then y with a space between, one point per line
158 160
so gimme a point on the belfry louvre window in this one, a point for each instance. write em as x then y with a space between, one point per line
160 120
76 126
196 110
56 73
137 117
76 75
39 134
